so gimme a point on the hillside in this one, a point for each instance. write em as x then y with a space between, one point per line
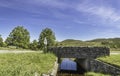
105 39
110 42
72 42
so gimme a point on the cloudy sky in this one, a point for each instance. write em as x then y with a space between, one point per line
69 19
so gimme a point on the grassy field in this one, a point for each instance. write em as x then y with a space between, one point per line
26 64
112 59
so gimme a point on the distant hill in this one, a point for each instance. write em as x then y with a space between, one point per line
72 42
105 39
110 42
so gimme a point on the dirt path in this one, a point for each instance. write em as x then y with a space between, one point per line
9 51
114 52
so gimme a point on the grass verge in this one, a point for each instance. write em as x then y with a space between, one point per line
95 74
112 59
25 64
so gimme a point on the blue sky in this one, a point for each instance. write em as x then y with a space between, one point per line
69 19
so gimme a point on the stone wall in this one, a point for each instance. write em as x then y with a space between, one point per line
99 66
80 52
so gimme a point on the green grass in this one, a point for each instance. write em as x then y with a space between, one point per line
11 48
5 48
26 64
95 74
112 59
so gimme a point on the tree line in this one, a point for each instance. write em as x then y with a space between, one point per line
20 38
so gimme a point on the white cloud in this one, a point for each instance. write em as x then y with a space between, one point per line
53 3
79 22
106 13
36 7
108 33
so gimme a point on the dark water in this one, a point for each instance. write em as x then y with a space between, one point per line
70 68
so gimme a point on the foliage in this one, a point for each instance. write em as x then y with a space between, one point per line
110 42
112 59
19 37
50 37
25 64
1 41
8 41
34 45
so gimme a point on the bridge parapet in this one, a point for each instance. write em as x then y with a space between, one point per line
80 52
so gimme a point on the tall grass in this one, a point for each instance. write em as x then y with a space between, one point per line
25 64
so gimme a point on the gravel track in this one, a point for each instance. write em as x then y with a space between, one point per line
15 51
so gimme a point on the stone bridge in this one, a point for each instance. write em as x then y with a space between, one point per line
80 52
83 55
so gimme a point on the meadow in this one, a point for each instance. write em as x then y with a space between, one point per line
26 64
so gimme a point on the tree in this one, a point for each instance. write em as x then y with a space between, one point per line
19 37
1 42
34 45
8 41
50 37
